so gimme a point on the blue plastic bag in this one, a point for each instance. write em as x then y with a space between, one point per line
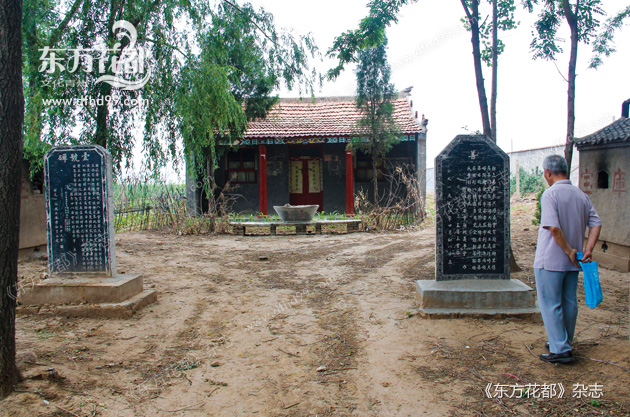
592 290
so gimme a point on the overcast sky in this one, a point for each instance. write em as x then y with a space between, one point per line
430 50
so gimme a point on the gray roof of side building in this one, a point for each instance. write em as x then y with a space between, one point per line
616 132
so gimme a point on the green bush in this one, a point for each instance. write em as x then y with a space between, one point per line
536 219
531 182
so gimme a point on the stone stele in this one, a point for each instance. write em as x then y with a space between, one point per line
472 265
81 241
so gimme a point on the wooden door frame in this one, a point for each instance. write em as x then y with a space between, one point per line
305 178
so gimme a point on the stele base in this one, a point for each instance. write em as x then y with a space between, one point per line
483 298
78 296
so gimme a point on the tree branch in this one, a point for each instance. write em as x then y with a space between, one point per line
560 72
173 47
467 11
251 20
64 24
571 17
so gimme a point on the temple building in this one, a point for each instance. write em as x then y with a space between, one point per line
298 155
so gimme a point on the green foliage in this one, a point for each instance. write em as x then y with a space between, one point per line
262 218
505 22
376 129
531 182
89 25
141 204
145 204
536 219
196 226
604 44
402 207
243 58
546 43
205 82
370 33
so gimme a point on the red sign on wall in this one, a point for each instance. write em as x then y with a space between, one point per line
619 181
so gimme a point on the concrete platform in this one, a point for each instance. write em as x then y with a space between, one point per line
77 290
117 297
124 309
482 298
352 226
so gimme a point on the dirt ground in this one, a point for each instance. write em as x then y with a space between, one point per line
318 325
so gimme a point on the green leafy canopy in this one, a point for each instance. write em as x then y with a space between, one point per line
377 130
370 33
213 69
243 59
546 43
604 44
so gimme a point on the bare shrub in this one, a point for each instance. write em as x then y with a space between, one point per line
141 204
399 208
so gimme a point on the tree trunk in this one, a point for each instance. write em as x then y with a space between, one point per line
100 137
11 142
513 265
495 62
375 178
473 18
210 184
573 24
105 89
518 178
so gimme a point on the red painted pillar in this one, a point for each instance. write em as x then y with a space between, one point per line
262 151
349 184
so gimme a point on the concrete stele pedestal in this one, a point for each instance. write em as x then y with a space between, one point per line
475 298
81 247
472 276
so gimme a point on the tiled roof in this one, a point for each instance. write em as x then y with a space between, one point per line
334 116
617 131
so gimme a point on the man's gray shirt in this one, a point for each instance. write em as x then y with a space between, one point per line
564 206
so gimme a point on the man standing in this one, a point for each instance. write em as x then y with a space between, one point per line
566 212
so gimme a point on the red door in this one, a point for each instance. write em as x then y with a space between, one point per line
305 182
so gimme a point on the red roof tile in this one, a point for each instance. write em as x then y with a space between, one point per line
333 116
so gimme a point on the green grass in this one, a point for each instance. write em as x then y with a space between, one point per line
263 218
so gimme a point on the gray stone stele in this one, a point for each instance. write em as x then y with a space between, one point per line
455 202
464 290
70 201
81 242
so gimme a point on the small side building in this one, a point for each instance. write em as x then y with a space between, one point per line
604 164
32 214
297 155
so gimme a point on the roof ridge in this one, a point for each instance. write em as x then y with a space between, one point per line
326 116
617 131
332 99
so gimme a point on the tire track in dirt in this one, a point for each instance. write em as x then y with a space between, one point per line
380 297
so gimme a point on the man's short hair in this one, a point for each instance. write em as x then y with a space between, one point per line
556 164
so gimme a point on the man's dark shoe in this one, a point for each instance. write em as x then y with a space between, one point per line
564 357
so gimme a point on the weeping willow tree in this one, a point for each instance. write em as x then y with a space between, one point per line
207 69
231 82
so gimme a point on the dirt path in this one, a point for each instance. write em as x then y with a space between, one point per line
307 326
